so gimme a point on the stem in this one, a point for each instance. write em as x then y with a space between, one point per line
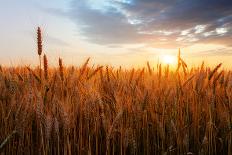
7 140
40 73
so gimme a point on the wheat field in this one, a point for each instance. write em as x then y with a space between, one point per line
105 110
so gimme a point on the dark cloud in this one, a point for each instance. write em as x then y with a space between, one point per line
154 22
107 27
194 12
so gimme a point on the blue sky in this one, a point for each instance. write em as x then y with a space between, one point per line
116 32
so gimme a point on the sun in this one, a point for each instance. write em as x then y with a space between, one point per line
168 59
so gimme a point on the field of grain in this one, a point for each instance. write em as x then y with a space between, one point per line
105 110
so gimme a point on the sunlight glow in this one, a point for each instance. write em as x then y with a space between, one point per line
168 59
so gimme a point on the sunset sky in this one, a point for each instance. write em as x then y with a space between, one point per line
116 32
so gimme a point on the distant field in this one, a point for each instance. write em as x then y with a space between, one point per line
104 110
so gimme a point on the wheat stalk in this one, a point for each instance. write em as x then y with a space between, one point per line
34 74
214 71
39 47
83 69
131 75
94 72
61 69
8 138
149 68
178 61
1 70
45 67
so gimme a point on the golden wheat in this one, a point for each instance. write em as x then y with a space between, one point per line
101 110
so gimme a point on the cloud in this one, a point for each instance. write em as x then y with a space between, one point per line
158 23
103 26
215 52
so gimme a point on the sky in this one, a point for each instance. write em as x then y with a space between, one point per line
116 32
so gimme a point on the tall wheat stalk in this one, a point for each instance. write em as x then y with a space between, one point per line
45 67
39 48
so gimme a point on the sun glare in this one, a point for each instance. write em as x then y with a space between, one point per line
168 59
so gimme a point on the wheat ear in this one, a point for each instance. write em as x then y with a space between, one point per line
61 69
45 67
39 46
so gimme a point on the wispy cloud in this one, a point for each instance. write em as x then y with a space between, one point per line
214 52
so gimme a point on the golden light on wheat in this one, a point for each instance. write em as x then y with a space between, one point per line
105 110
